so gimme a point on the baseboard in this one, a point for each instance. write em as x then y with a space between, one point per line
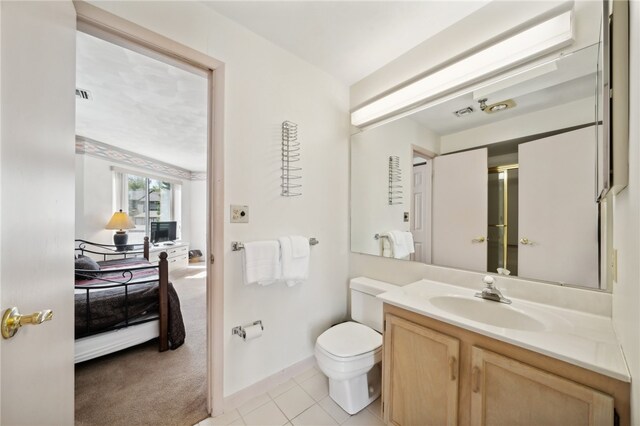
237 399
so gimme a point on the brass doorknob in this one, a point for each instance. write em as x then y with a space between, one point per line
478 240
525 241
12 320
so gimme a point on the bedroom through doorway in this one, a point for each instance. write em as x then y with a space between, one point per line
142 140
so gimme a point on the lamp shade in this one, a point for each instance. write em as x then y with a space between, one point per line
120 220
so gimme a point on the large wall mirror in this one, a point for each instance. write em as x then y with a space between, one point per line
500 178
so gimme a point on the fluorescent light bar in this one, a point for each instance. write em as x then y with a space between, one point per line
521 82
534 42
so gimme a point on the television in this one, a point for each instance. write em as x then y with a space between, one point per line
163 231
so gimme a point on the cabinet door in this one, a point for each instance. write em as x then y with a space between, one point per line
508 392
420 375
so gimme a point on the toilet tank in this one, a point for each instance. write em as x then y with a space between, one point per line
366 308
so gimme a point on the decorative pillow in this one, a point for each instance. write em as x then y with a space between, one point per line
86 263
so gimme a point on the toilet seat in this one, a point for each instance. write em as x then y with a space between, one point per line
367 356
350 339
348 350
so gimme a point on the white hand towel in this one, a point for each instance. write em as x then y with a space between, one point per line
408 241
262 262
400 243
299 246
386 246
294 269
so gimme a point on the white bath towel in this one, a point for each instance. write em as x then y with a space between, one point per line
295 253
262 262
401 243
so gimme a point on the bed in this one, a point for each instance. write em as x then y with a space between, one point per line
127 301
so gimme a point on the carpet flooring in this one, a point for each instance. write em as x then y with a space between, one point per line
141 386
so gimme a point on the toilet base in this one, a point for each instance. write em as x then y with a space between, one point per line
355 394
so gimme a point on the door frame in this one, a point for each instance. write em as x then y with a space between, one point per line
109 25
505 210
428 156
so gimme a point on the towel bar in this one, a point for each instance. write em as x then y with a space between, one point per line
237 245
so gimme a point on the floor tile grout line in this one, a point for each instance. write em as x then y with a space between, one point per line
328 413
307 393
283 413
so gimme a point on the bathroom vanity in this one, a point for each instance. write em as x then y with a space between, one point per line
451 358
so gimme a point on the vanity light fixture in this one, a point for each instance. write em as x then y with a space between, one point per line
499 106
464 111
531 43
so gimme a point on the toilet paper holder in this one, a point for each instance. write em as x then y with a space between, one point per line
239 330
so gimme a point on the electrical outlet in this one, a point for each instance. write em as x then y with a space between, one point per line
239 214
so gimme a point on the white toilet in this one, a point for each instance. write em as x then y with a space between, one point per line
349 354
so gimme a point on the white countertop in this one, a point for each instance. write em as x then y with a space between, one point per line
579 338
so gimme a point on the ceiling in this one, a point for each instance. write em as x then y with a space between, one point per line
141 104
154 109
347 39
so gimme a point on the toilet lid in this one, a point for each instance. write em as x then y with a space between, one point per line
349 339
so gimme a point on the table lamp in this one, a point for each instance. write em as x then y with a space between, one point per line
120 221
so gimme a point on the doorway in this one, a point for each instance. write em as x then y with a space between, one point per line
201 273
502 233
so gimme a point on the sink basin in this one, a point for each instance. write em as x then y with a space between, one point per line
488 312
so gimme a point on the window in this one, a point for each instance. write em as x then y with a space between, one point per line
147 199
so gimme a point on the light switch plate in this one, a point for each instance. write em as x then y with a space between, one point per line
239 214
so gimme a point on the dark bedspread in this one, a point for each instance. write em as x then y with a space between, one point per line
107 307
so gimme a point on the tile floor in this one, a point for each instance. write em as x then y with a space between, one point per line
301 401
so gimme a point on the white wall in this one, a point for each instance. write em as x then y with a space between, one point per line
370 151
94 199
476 29
79 197
266 85
198 215
626 290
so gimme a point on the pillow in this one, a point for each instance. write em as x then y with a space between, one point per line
87 263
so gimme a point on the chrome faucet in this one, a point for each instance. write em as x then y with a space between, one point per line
490 292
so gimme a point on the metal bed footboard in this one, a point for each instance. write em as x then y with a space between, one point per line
107 250
128 280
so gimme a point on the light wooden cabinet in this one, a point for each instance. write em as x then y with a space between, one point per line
421 375
435 373
508 392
